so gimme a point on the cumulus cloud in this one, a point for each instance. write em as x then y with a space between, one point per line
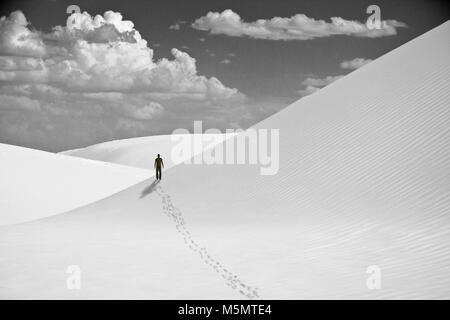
17 39
354 63
297 27
96 79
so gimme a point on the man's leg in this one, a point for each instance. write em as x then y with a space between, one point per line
160 173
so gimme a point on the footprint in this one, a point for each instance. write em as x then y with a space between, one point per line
231 280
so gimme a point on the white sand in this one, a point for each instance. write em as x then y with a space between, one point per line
36 184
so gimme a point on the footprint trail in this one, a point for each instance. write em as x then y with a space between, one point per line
231 279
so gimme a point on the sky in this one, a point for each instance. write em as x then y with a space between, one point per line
121 69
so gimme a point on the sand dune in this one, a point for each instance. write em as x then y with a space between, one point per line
141 152
36 184
364 180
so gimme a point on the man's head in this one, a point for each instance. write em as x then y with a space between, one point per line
158 155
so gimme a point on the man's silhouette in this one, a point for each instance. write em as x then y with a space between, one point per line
158 163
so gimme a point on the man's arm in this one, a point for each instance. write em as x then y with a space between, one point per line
162 163
154 166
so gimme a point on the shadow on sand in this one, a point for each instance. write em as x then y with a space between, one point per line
149 189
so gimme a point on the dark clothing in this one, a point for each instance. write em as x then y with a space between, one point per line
158 164
158 173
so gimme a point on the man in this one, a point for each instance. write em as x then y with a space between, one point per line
158 163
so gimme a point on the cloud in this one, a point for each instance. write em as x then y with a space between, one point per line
177 25
312 85
297 27
17 39
306 91
225 61
355 63
321 82
18 102
146 112
96 79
